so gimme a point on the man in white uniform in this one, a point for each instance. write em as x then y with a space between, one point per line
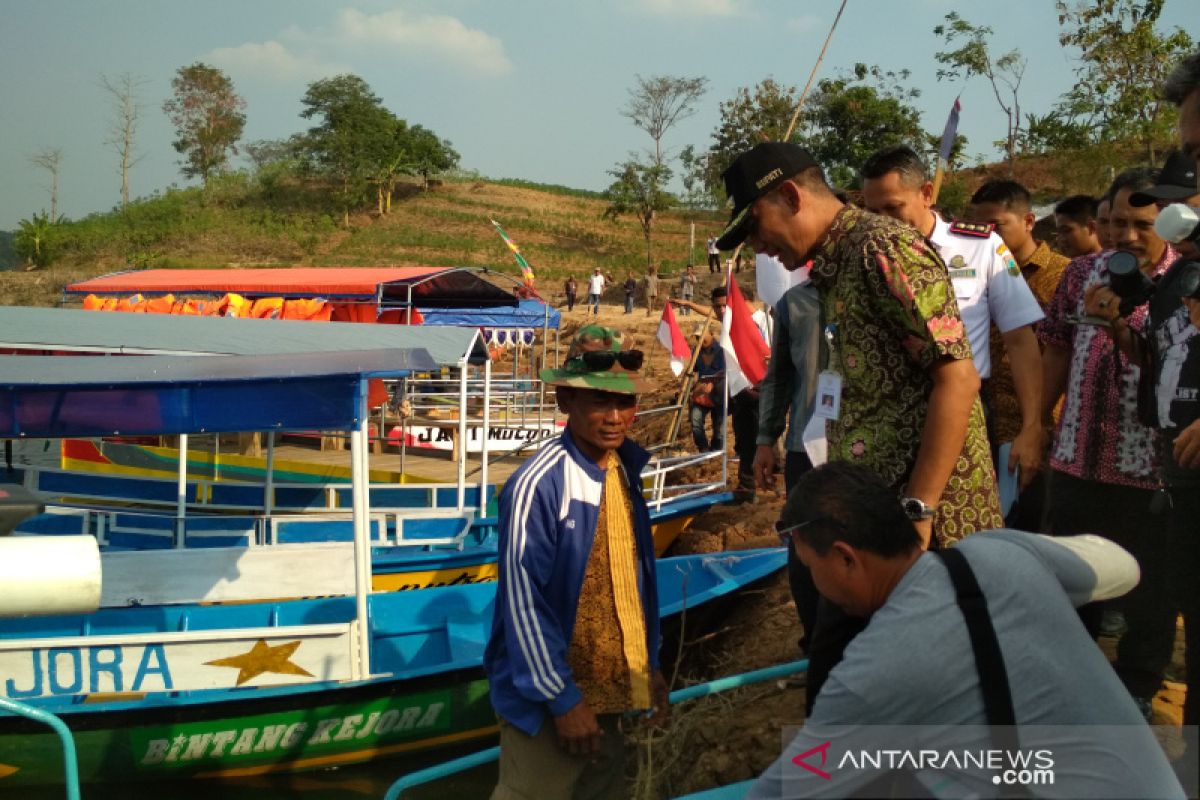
987 283
595 289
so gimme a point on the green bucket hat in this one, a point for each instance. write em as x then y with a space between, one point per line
583 370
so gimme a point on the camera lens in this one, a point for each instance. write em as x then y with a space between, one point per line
1189 280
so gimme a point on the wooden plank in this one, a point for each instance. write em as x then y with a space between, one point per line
223 574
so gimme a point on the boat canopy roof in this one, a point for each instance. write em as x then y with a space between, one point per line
386 287
64 396
529 314
62 330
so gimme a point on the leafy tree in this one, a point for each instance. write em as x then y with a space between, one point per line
974 57
658 102
33 240
696 193
849 117
50 159
1123 62
355 138
638 190
125 93
754 114
208 119
427 154
266 152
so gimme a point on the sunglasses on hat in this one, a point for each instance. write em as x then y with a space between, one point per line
603 360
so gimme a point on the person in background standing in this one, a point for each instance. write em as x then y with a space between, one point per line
714 255
595 290
630 289
651 290
687 288
1103 217
572 290
1075 223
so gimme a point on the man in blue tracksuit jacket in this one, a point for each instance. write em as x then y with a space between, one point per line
575 636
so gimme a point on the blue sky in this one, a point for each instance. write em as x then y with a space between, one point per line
528 89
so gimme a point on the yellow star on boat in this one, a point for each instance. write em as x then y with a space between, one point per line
263 658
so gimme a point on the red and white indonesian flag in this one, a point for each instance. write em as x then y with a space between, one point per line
746 351
670 337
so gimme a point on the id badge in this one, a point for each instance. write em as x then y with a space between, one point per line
829 395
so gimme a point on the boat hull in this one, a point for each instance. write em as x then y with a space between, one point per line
257 735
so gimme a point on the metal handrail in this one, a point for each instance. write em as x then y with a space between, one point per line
457 765
70 761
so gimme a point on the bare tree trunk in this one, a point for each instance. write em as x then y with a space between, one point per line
127 109
50 159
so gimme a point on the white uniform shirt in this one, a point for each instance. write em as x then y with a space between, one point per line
989 287
596 284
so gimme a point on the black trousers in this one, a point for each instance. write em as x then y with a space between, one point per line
1183 543
800 581
1123 514
744 419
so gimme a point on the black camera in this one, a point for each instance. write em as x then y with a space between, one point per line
1128 282
1189 280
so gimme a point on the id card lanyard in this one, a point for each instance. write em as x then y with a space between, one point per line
829 382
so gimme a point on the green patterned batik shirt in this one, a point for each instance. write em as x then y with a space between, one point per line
890 315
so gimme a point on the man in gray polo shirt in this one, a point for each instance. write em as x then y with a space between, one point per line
915 663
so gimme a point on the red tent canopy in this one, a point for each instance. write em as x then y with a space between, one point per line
341 282
384 286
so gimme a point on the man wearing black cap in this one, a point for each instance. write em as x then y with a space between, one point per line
903 391
1176 184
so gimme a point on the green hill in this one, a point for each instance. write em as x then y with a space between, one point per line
239 222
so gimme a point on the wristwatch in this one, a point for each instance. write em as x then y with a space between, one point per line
916 509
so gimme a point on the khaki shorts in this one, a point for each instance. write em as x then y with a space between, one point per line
537 768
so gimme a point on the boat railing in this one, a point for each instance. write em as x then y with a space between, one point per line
123 528
216 495
659 473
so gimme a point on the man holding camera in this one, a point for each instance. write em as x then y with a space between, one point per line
1104 459
1166 342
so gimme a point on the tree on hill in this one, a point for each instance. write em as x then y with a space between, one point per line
354 136
851 116
33 240
658 102
1122 63
50 159
208 118
974 57
359 144
427 154
124 91
638 191
754 114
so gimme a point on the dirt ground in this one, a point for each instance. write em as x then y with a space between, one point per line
732 737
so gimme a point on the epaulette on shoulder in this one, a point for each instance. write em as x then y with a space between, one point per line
974 230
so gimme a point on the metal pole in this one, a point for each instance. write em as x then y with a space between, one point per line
70 762
269 485
462 435
483 445
181 492
362 537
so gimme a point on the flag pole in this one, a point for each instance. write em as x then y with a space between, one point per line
812 75
684 381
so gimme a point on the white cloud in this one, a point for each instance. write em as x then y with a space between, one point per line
694 8
430 35
804 23
271 60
